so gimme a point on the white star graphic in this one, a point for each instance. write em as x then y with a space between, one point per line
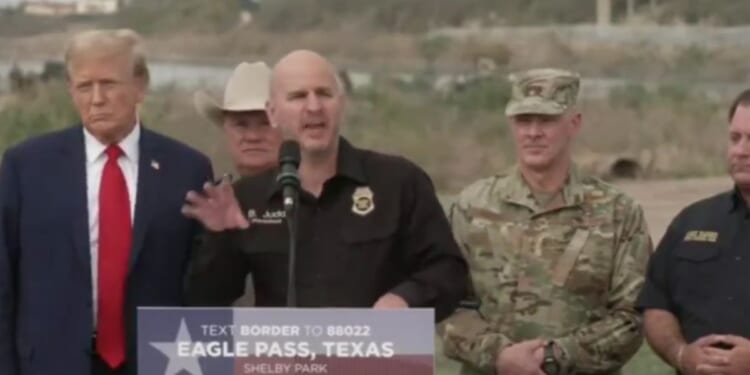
177 363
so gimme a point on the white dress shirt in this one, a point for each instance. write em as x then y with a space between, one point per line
95 160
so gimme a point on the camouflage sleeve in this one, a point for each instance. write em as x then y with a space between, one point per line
607 344
467 336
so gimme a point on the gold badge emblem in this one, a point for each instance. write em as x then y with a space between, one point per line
362 201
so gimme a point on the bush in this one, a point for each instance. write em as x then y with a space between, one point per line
39 110
632 96
485 94
456 138
726 12
420 15
164 16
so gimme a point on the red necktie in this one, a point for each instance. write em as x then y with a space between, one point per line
115 232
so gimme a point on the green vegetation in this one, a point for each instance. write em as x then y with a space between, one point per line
397 38
166 16
392 16
457 135
38 110
419 15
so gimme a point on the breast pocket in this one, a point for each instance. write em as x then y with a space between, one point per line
369 253
492 248
366 235
493 282
370 242
697 268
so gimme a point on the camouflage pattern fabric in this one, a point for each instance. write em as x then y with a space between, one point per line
570 274
544 91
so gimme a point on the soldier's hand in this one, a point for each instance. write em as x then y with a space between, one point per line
539 355
217 208
520 359
702 358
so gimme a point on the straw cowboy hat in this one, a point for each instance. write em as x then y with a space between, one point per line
246 90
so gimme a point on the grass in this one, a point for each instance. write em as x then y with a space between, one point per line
647 363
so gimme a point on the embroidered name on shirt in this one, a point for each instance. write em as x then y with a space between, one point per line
701 236
268 217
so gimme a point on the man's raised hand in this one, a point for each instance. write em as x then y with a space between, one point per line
217 208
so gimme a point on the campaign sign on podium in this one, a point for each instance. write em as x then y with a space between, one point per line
279 341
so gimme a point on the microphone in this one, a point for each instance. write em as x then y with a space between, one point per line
289 158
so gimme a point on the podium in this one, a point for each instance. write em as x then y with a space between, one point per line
285 341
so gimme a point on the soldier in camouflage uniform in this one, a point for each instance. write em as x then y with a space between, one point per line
557 259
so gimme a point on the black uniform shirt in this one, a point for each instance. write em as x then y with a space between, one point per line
377 227
701 269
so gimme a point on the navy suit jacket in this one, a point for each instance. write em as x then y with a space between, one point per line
46 316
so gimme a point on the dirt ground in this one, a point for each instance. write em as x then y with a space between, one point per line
662 200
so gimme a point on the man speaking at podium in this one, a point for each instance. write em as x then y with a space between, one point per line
370 229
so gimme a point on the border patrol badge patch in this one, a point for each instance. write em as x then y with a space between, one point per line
701 236
362 201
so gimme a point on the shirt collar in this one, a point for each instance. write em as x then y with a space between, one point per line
349 164
129 145
519 192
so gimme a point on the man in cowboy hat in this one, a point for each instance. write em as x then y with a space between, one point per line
251 140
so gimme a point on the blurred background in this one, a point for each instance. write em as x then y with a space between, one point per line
427 79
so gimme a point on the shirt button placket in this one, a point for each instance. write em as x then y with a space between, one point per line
314 224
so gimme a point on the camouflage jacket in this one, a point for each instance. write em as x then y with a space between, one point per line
570 274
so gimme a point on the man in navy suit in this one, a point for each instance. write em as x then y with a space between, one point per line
90 222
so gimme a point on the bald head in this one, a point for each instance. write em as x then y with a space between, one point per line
307 100
303 62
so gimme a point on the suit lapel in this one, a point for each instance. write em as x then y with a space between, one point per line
73 185
148 191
